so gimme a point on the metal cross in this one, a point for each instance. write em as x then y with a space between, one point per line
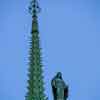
34 7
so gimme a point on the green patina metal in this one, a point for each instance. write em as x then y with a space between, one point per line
35 88
59 88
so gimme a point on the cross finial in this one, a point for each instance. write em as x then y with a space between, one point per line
34 8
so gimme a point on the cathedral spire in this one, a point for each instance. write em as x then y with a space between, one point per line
35 88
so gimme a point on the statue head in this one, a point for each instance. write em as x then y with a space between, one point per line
59 75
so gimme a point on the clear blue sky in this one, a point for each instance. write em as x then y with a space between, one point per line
70 41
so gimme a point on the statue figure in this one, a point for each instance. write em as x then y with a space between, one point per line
59 88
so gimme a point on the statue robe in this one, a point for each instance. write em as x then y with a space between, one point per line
59 88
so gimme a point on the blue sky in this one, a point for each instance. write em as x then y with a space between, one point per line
70 41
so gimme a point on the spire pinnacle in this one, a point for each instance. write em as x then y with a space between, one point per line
34 8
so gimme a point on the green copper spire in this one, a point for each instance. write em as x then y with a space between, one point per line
35 88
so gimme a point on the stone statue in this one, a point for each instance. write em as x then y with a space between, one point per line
59 88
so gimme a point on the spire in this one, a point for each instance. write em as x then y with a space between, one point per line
34 9
35 88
